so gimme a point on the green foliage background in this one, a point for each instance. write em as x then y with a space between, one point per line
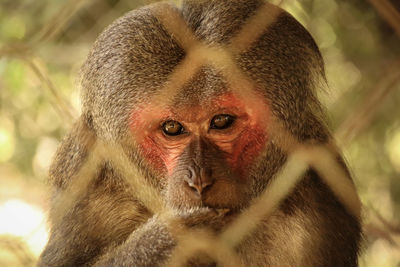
43 43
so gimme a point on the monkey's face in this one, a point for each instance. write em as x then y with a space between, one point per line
205 150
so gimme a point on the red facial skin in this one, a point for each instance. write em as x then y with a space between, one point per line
242 141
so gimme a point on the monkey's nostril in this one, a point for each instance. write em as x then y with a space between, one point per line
205 186
199 181
199 188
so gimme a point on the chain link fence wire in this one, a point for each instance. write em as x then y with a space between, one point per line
191 241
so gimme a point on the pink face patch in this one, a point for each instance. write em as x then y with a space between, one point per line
242 143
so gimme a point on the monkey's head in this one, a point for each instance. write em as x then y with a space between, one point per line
202 107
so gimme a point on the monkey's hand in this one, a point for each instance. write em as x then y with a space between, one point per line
149 245
152 243
204 217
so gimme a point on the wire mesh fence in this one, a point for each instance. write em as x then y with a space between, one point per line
320 158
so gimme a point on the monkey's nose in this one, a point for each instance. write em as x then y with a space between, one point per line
199 179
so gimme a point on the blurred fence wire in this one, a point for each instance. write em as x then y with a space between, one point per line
191 241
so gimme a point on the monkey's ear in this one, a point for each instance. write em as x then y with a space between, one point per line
72 152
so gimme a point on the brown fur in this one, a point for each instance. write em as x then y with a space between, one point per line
130 64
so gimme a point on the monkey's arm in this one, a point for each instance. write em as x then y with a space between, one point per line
102 219
149 245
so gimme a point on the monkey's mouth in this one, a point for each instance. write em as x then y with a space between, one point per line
226 213
221 211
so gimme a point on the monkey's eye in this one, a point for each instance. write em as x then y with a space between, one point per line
221 121
172 128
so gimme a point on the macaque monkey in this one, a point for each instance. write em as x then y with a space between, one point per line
207 100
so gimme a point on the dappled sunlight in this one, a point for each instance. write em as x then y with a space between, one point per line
7 140
393 148
20 219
